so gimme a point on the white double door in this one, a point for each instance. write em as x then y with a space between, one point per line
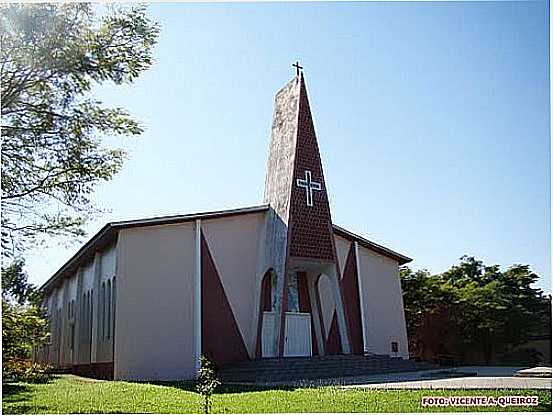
297 335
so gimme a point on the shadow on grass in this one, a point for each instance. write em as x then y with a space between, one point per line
15 392
15 397
225 388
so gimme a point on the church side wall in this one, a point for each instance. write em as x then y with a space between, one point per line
383 303
342 249
74 312
154 336
86 315
327 303
70 291
234 245
55 316
106 306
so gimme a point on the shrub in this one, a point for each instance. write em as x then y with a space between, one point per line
207 381
24 370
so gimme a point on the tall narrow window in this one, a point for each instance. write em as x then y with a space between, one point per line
103 315
72 340
83 320
91 314
109 308
54 328
86 319
113 301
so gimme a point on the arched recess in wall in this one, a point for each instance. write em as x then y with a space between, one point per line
265 305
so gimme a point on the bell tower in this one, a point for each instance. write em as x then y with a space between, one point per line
298 234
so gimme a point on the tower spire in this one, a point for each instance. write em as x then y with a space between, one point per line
295 185
298 232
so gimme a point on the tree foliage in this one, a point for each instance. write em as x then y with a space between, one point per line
24 325
51 57
15 286
473 307
207 382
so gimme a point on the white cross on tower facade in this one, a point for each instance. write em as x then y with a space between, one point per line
309 186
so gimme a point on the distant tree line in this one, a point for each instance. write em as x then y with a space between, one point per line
473 311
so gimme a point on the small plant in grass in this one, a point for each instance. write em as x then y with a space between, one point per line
207 382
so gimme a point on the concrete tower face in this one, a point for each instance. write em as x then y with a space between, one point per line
295 185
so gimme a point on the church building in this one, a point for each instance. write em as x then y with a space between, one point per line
144 299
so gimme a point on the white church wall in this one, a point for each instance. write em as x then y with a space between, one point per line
342 250
72 292
234 244
66 309
108 263
382 302
328 305
55 312
56 302
59 296
84 315
154 337
105 306
71 284
88 276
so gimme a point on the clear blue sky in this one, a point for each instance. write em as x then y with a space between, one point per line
432 119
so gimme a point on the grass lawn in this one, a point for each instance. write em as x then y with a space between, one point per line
70 394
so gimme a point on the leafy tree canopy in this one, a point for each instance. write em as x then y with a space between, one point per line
24 323
15 286
51 57
475 306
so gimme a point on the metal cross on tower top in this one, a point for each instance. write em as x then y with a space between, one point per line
309 186
298 67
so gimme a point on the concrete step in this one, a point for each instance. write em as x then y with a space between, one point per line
327 360
274 370
360 368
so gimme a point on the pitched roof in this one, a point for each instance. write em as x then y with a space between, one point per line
373 246
107 236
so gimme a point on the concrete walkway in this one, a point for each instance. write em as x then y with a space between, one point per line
466 377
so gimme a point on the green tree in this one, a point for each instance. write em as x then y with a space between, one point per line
15 286
24 324
54 147
473 306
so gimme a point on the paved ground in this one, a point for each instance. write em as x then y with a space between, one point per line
465 377
535 372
